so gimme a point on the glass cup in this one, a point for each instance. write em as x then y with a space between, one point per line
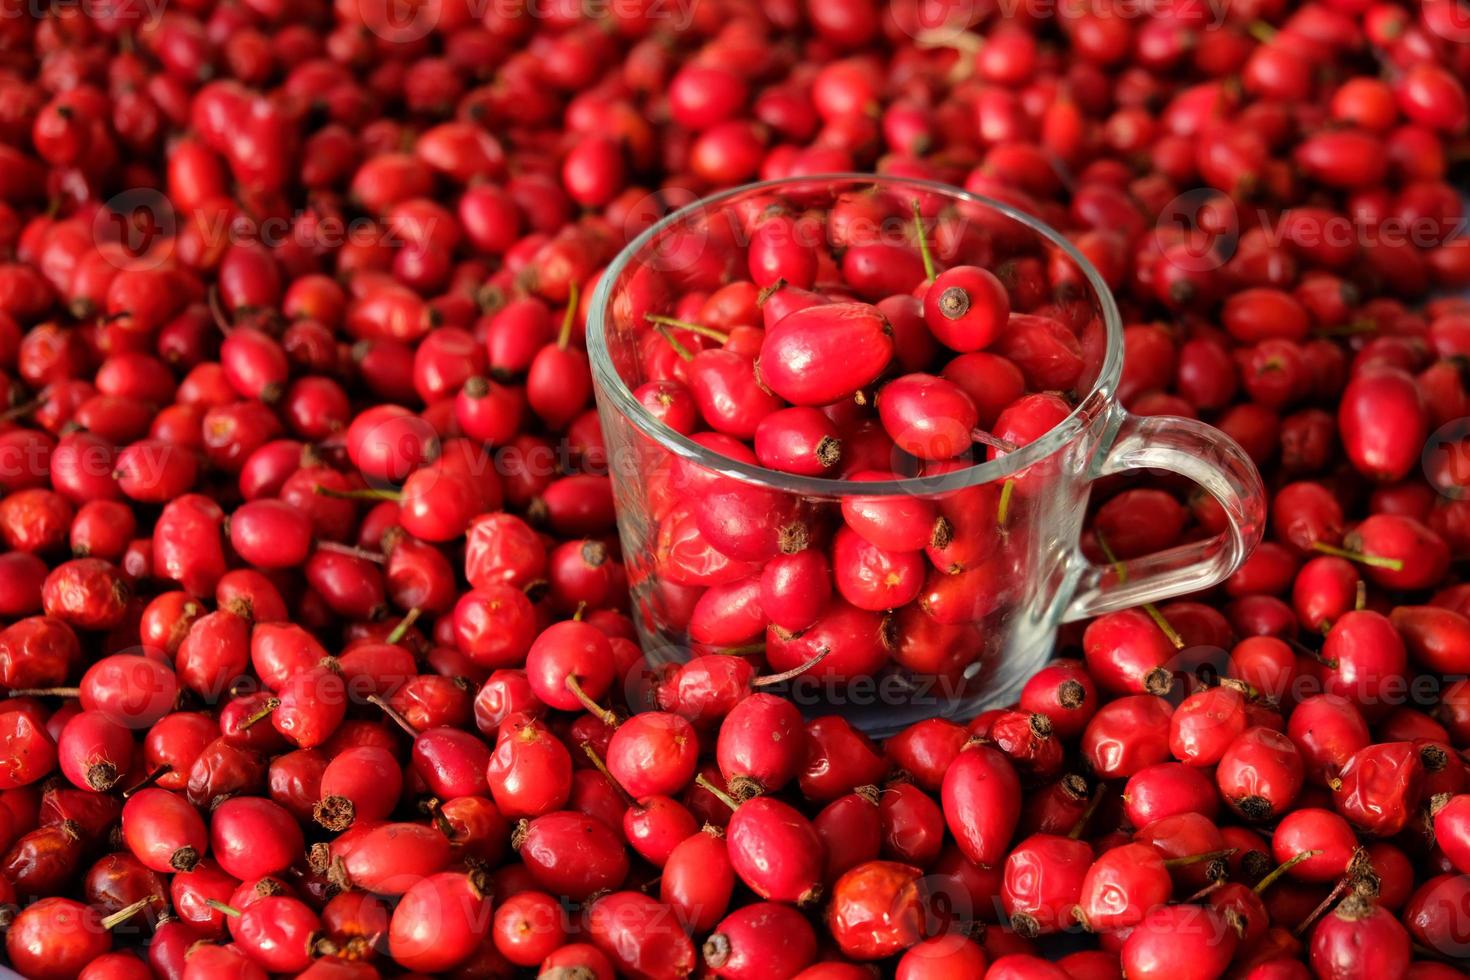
1003 567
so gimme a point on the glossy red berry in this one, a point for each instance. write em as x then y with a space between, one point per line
982 799
966 308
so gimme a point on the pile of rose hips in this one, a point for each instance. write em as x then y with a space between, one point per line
892 369
316 637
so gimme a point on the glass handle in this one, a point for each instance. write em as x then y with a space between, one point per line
1197 452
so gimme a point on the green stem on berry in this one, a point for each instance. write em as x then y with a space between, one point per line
593 708
716 792
601 767
688 326
1282 869
404 624
668 335
1163 624
1152 610
1261 31
923 237
1354 329
1362 558
1189 859
362 493
564 337
128 911
1003 509
266 710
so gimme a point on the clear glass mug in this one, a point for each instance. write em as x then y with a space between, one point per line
993 621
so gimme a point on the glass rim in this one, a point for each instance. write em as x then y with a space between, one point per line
610 384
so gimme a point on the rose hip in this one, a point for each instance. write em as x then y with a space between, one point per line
1359 939
439 922
164 831
824 353
877 908
764 827
981 798
966 308
761 939
251 837
94 751
698 880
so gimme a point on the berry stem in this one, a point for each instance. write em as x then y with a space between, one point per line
1189 859
1322 907
1003 509
593 708
1282 869
404 624
965 43
787 675
270 705
1212 886
1356 328
435 810
716 792
1080 827
601 767
217 311
219 906
929 272
688 327
1373 561
128 911
148 780
1163 625
994 442
46 692
364 493
668 335
769 291
347 549
1153 611
21 410
394 715
744 650
569 318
